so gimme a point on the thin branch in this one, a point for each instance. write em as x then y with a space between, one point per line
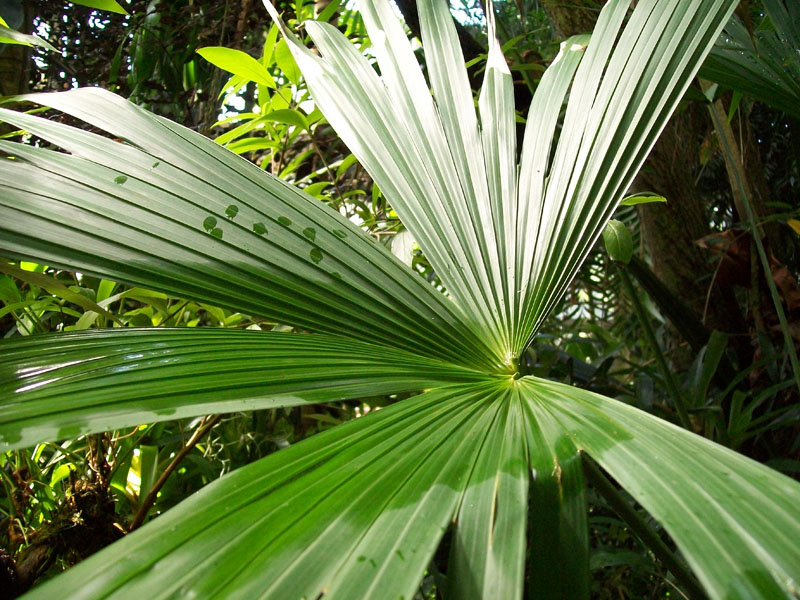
151 496
669 380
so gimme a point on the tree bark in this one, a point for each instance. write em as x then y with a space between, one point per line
574 16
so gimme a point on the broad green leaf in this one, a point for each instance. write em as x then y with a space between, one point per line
329 10
157 210
12 36
253 121
735 521
239 63
403 246
392 126
288 116
245 145
499 141
540 129
64 385
109 5
8 290
312 519
60 473
618 241
145 465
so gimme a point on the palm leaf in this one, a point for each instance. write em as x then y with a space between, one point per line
492 455
312 519
452 180
64 385
487 558
765 66
173 211
736 521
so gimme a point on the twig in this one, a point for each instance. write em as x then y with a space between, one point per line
669 381
151 496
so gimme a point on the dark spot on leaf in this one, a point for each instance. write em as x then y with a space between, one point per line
209 223
260 228
310 233
339 233
362 558
217 233
232 211
120 179
284 221
316 255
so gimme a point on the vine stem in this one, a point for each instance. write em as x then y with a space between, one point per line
151 496
669 381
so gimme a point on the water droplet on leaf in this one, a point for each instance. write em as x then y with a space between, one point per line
260 228
284 221
310 233
315 254
339 233
217 233
232 211
155 164
209 223
121 179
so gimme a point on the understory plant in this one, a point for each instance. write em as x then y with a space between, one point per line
486 454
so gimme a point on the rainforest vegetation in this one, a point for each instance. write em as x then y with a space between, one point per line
386 299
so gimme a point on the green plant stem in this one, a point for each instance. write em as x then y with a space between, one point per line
151 496
736 175
640 528
650 336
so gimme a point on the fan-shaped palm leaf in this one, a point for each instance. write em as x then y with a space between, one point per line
358 511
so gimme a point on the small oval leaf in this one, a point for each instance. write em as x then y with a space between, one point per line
618 241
